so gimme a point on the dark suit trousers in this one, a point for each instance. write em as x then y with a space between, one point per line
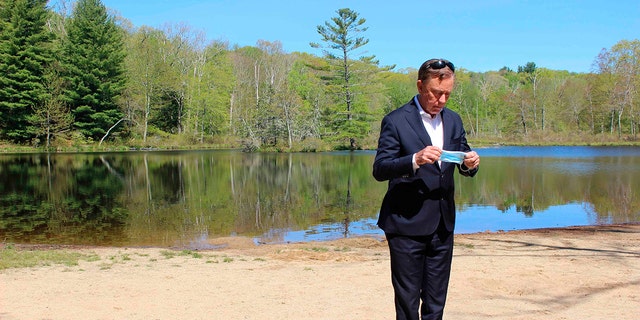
420 269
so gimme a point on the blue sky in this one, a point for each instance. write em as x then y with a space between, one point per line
479 35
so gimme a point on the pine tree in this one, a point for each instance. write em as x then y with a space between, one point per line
25 53
348 76
94 62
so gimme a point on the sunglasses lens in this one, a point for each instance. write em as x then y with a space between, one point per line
441 64
437 64
450 65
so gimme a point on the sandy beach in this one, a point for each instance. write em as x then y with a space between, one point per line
569 273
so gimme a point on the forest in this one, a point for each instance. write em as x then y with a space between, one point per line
83 78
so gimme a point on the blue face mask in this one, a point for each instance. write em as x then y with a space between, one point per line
452 156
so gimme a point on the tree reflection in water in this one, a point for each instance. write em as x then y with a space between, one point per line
185 198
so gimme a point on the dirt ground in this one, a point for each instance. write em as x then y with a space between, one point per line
569 273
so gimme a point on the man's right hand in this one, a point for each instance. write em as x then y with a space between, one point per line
428 155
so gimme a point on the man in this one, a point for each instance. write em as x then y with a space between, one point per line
418 210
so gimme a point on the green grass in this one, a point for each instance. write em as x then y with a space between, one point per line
171 254
10 257
465 245
317 249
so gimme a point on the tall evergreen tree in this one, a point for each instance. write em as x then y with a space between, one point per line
341 37
25 53
94 62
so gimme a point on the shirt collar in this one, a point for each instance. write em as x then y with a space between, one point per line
421 111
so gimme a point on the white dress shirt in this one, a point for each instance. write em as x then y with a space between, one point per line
433 125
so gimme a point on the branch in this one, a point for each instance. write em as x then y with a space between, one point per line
106 134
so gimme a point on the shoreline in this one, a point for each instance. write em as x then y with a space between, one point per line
222 241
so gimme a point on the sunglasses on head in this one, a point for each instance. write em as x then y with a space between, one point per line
439 64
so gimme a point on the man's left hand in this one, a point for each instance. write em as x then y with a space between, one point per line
471 160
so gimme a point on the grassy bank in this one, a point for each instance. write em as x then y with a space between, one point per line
316 145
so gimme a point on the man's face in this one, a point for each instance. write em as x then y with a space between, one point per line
434 93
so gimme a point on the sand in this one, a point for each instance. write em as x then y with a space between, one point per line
569 273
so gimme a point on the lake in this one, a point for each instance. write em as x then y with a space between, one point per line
183 198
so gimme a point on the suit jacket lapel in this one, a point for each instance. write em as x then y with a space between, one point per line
447 131
447 126
415 122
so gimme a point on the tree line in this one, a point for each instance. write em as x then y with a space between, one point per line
80 75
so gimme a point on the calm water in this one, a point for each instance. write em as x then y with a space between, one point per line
182 199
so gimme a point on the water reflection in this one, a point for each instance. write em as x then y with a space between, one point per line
185 198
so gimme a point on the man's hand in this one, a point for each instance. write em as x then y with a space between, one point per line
471 160
428 155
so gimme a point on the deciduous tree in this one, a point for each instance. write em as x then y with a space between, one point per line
621 65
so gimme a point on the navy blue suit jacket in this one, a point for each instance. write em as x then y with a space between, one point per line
416 201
